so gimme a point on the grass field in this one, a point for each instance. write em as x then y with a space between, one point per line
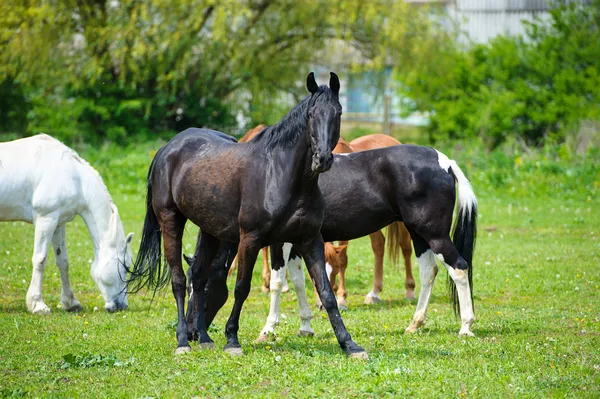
537 304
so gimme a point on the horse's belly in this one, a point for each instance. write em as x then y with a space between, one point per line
15 200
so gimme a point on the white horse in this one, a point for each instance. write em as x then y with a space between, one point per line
44 182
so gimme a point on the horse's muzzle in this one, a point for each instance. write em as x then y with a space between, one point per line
115 306
321 162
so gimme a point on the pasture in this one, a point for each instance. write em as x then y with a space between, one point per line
536 291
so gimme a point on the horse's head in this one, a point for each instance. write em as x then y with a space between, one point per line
324 115
109 268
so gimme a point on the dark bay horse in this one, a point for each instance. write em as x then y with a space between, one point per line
413 184
243 197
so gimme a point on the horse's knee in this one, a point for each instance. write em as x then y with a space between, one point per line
242 290
38 261
328 299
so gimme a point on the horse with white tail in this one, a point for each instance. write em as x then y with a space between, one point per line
46 183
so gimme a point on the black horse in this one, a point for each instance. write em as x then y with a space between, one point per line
243 197
368 190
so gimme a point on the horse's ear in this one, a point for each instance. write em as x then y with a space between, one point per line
128 239
189 260
334 83
311 83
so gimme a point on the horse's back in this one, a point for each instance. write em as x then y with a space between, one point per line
38 174
373 141
193 173
194 139
388 182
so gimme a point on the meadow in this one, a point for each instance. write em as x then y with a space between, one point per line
536 291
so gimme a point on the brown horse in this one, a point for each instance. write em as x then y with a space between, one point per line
243 197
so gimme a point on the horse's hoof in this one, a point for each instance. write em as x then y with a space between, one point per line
264 289
372 300
265 337
182 349
342 306
236 351
41 309
285 288
207 345
465 333
304 333
410 295
75 308
411 329
359 355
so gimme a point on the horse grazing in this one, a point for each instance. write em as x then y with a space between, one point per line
46 183
365 191
243 197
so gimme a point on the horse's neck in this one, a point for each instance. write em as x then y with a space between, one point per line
301 177
98 211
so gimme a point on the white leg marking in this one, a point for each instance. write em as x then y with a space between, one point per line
297 276
274 311
467 316
427 270
372 298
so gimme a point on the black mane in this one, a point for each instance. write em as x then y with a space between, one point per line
285 133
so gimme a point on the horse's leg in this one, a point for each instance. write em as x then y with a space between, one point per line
192 308
44 230
313 254
458 270
378 245
205 254
247 254
299 282
67 297
406 245
266 271
341 293
233 267
284 281
279 259
216 291
172 225
428 269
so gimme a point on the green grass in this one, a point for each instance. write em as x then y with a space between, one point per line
537 296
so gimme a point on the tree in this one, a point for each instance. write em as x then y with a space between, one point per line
534 86
122 67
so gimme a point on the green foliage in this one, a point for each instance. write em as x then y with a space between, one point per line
535 87
107 70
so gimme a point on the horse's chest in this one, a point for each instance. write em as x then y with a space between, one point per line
301 222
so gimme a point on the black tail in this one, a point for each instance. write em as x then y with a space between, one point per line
465 230
148 270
